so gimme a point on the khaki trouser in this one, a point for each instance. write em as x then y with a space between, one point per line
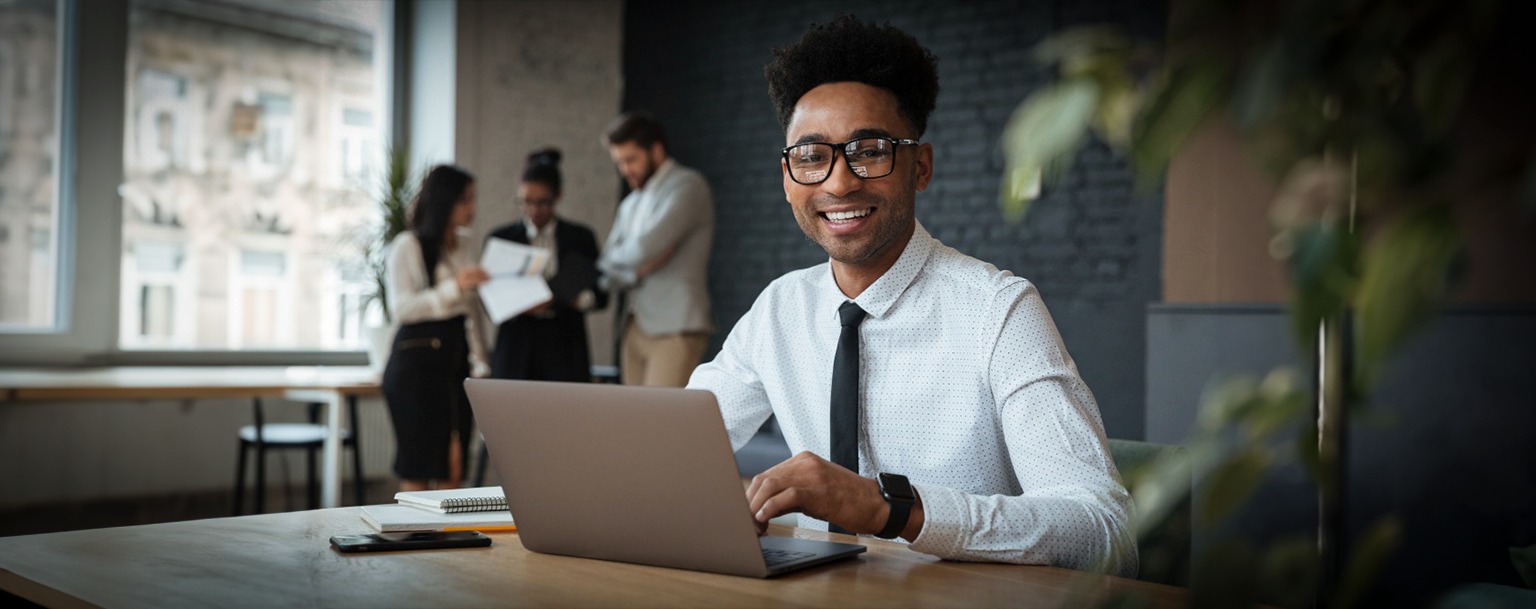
660 361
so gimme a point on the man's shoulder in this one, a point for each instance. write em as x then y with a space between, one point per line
795 285
683 176
964 272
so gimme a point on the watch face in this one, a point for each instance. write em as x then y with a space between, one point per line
896 486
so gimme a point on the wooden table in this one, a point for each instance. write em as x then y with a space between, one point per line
284 560
329 385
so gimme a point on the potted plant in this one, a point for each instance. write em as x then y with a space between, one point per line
1351 108
396 189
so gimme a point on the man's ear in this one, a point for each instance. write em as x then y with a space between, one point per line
788 182
658 152
924 166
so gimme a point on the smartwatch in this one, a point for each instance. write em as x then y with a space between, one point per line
898 493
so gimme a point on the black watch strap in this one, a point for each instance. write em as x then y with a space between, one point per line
899 495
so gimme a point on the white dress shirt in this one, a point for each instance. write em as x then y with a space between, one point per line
412 298
545 240
965 388
673 212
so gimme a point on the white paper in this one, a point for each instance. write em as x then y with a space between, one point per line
517 281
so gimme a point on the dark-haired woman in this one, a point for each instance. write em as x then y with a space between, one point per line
432 276
549 342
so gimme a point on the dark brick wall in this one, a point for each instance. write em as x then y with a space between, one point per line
1092 244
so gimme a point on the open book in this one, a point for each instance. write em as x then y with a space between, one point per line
448 501
396 517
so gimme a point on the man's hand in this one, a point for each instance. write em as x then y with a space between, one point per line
813 486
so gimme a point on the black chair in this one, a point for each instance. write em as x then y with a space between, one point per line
309 437
1165 546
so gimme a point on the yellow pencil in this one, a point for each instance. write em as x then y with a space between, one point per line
489 529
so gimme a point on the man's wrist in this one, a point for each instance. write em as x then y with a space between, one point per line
900 498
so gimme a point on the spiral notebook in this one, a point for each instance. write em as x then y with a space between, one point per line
449 501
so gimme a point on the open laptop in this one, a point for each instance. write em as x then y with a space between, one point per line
633 474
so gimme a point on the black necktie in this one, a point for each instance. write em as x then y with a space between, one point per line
845 392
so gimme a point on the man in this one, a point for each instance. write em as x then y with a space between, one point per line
659 252
948 374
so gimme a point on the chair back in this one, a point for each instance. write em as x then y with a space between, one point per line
1165 545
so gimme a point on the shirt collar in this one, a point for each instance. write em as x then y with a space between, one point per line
881 295
533 231
659 175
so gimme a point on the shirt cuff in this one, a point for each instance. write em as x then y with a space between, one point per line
449 290
945 521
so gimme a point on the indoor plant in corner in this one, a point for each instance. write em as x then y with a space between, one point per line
1353 108
395 191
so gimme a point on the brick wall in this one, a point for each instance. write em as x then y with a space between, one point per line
1092 243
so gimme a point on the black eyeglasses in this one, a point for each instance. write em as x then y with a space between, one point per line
868 157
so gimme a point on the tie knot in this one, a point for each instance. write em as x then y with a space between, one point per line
851 314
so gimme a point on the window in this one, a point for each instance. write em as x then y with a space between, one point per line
29 161
254 127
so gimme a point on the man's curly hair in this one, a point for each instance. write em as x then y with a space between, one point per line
849 50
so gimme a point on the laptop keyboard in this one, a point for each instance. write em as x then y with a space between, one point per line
779 557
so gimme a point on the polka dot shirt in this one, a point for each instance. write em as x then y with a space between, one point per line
965 388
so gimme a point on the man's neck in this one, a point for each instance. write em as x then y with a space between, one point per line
854 278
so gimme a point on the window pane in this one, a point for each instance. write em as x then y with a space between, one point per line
29 132
254 127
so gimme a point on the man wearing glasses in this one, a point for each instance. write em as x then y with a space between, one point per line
927 394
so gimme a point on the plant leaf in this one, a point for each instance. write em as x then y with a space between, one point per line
1525 564
1231 483
1371 551
1183 102
1323 277
1043 137
1406 277
1050 125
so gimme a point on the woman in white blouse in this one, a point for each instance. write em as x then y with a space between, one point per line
439 341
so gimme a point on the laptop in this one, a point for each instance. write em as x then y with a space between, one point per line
633 474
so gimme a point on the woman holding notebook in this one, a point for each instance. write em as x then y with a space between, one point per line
549 342
431 277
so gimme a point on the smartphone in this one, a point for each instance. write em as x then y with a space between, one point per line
410 540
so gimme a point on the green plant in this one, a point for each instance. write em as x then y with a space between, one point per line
1351 107
395 190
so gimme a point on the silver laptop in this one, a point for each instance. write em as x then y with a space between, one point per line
633 474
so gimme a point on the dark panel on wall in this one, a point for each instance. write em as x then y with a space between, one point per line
1449 446
1092 244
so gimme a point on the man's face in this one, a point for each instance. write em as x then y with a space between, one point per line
636 163
873 217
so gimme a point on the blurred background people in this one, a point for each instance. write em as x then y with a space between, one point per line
659 253
549 342
432 276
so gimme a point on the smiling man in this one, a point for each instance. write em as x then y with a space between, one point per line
927 394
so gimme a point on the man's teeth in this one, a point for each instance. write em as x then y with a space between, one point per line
841 216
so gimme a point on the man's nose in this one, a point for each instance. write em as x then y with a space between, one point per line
842 180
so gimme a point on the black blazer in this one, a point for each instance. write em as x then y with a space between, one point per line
552 348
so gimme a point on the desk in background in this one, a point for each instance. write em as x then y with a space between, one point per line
329 385
284 560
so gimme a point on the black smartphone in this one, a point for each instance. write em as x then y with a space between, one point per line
410 540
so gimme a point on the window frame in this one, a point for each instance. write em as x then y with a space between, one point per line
91 105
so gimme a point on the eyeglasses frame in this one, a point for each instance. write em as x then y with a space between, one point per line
842 149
